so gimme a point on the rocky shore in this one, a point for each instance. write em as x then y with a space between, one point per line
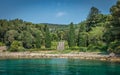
80 55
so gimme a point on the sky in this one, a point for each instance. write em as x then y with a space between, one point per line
52 11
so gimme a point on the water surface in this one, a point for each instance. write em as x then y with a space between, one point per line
57 66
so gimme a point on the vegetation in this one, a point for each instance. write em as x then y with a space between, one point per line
99 32
71 36
47 37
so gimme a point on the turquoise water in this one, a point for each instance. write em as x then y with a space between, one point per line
57 67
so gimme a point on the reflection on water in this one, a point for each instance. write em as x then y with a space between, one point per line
57 67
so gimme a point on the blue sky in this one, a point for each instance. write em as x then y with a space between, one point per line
51 11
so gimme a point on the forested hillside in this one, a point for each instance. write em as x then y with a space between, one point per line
99 32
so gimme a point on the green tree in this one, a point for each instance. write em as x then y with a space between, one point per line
16 46
115 23
96 35
3 29
27 39
107 33
113 29
10 36
82 39
37 34
92 18
47 37
81 36
61 35
71 36
54 37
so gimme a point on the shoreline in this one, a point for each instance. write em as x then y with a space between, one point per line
80 55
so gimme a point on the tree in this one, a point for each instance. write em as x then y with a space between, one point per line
82 39
71 36
81 34
115 23
60 35
47 37
27 39
16 46
96 35
113 32
10 36
107 32
54 37
38 39
114 46
92 18
3 29
37 34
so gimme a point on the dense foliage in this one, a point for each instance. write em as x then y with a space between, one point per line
47 37
71 36
99 32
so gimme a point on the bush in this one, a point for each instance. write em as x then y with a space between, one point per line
114 47
102 47
16 46
54 44
93 48
74 48
2 44
117 49
83 49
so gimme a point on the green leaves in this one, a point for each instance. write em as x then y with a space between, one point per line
10 36
71 36
112 34
47 37
114 46
28 40
92 18
16 46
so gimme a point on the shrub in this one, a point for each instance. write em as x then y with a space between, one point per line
83 49
117 49
54 44
91 47
102 47
2 44
74 48
114 47
16 46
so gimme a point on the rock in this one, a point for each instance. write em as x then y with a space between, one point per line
112 54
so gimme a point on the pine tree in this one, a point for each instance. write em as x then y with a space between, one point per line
92 18
71 36
47 37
